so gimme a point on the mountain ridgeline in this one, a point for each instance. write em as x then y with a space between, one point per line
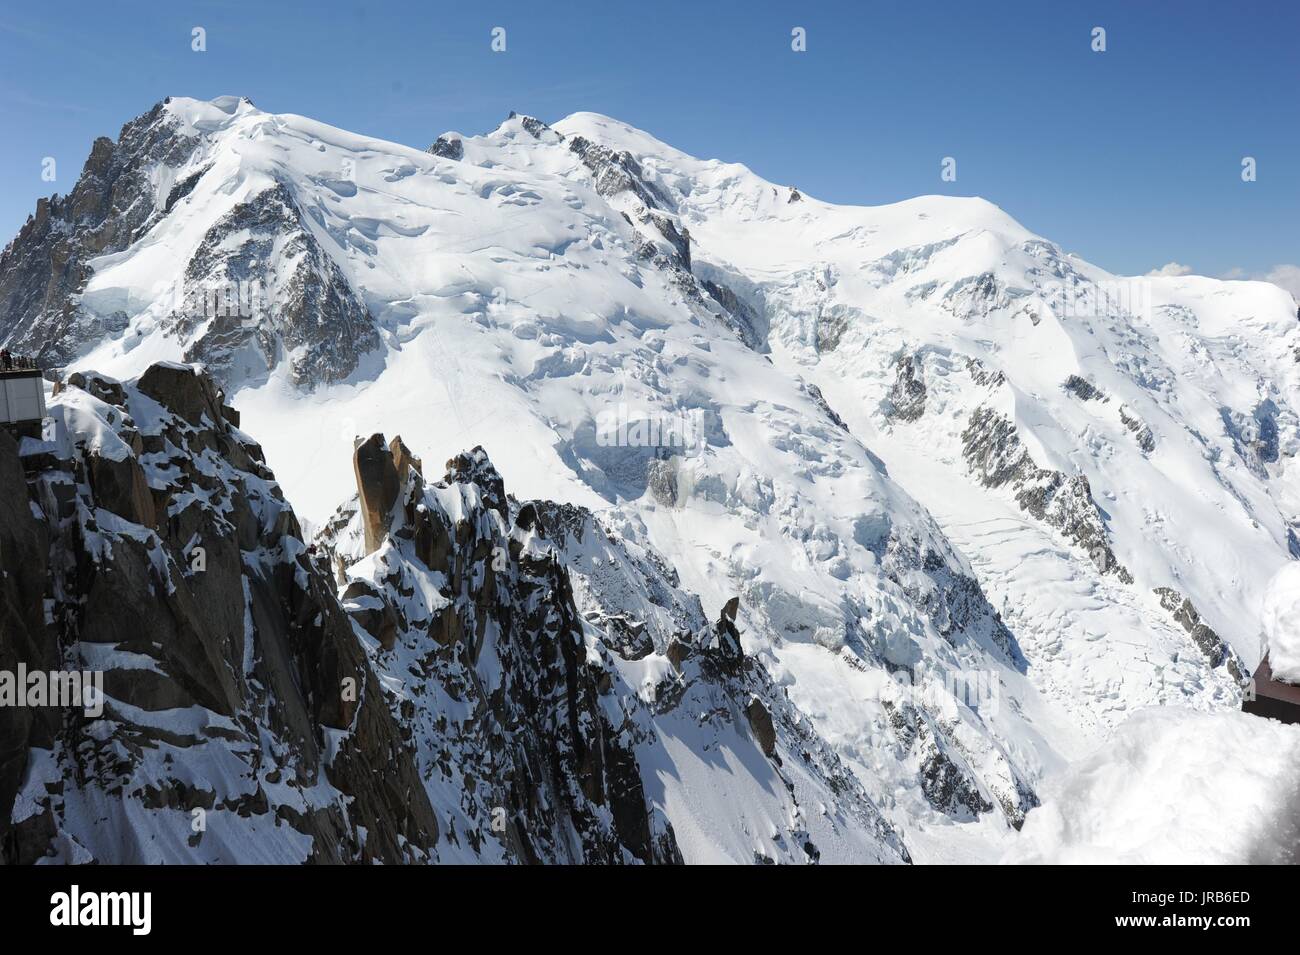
831 531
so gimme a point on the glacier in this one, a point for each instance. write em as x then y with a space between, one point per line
980 501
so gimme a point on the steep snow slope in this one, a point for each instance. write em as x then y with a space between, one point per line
450 705
548 293
511 638
1174 398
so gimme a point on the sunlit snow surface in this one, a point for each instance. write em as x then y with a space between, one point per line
514 311
1282 624
1174 787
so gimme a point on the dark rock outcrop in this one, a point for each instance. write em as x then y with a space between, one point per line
510 622
377 487
448 147
662 239
227 659
615 171
947 782
1141 432
27 640
1254 436
259 283
832 323
906 400
746 320
112 204
1083 389
816 395
403 459
119 485
536 128
975 297
186 392
760 723
995 454
473 467
539 759
1214 647
953 600
730 653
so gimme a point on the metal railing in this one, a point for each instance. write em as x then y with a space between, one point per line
12 362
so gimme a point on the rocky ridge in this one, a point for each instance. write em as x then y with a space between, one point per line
241 720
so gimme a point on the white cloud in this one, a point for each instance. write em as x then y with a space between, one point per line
1287 276
1171 270
1283 276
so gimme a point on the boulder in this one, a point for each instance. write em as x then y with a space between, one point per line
185 391
102 387
760 723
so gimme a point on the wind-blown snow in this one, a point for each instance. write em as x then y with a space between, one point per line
1282 624
1174 786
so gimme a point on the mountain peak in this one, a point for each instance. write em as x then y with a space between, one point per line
913 442
208 115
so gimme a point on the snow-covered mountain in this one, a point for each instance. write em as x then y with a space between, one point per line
447 704
978 499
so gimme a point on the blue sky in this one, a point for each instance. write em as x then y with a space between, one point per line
1131 157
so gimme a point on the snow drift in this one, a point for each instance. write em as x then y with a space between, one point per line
1281 621
1174 786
